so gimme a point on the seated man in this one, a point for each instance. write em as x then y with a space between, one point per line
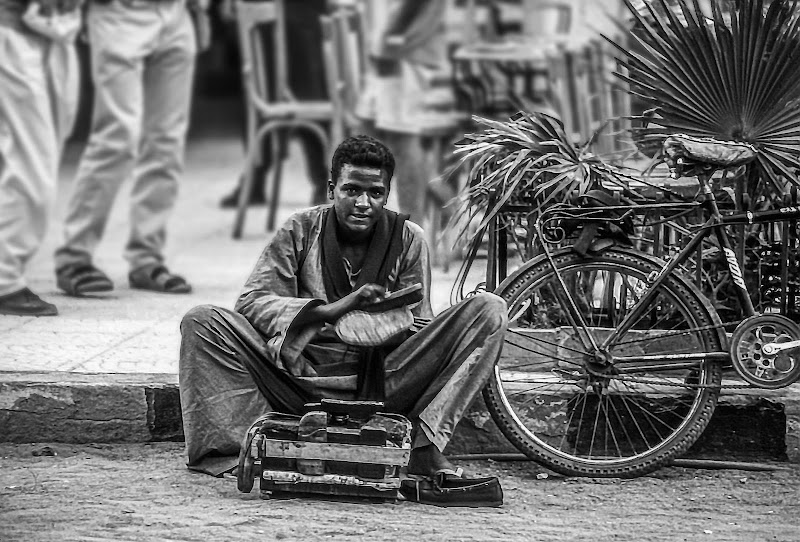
275 352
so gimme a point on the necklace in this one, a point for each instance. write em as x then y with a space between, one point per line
351 275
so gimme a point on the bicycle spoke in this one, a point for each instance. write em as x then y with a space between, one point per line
573 409
606 399
580 424
636 425
540 340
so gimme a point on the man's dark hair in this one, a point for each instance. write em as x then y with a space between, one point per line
363 151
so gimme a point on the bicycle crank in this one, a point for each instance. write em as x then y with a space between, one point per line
765 350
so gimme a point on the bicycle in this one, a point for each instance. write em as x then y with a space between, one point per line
614 360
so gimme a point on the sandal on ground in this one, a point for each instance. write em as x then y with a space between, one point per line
446 490
157 278
82 279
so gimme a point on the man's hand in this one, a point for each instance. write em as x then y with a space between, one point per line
368 294
364 296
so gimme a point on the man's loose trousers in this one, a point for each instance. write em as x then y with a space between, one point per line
432 377
38 101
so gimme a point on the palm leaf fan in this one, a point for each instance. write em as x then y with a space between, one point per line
734 76
528 159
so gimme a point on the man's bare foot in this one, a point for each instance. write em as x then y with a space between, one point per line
427 461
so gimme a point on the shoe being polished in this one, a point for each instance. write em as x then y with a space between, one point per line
26 303
445 490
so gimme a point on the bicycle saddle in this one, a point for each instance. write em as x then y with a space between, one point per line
684 152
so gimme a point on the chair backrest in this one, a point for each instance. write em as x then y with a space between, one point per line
344 49
621 102
534 19
333 76
543 19
561 89
251 18
349 27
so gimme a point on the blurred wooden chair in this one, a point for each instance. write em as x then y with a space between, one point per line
346 64
586 96
619 102
272 110
509 67
549 21
561 90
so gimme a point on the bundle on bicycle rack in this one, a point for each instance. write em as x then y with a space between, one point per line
769 256
341 448
768 264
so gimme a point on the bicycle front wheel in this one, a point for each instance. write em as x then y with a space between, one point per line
644 400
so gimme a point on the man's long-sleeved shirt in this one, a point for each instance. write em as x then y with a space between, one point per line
289 277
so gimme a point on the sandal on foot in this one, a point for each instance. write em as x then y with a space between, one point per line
82 279
157 278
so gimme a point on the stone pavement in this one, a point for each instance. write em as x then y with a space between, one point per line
132 331
91 362
105 369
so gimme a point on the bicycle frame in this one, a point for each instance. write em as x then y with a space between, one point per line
714 225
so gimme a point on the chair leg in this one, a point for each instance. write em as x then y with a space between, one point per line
280 152
439 256
248 179
431 219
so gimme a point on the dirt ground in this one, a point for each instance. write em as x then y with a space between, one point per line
144 492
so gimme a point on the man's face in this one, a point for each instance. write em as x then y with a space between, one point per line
358 199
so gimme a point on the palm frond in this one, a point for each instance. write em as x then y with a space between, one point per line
528 159
734 76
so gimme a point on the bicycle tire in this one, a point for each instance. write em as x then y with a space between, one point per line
580 424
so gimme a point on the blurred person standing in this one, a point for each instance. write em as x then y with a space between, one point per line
409 95
38 101
142 55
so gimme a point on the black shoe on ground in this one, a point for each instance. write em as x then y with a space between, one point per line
231 201
444 490
26 303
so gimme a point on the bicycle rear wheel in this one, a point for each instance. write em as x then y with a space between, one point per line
556 403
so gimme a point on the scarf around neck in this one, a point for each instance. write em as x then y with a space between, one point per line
385 248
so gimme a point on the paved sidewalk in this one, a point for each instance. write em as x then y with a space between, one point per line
132 331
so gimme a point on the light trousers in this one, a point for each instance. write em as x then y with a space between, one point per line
38 99
142 56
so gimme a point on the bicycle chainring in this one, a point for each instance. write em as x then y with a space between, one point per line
756 351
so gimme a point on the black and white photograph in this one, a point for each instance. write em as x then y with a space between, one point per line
390 270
